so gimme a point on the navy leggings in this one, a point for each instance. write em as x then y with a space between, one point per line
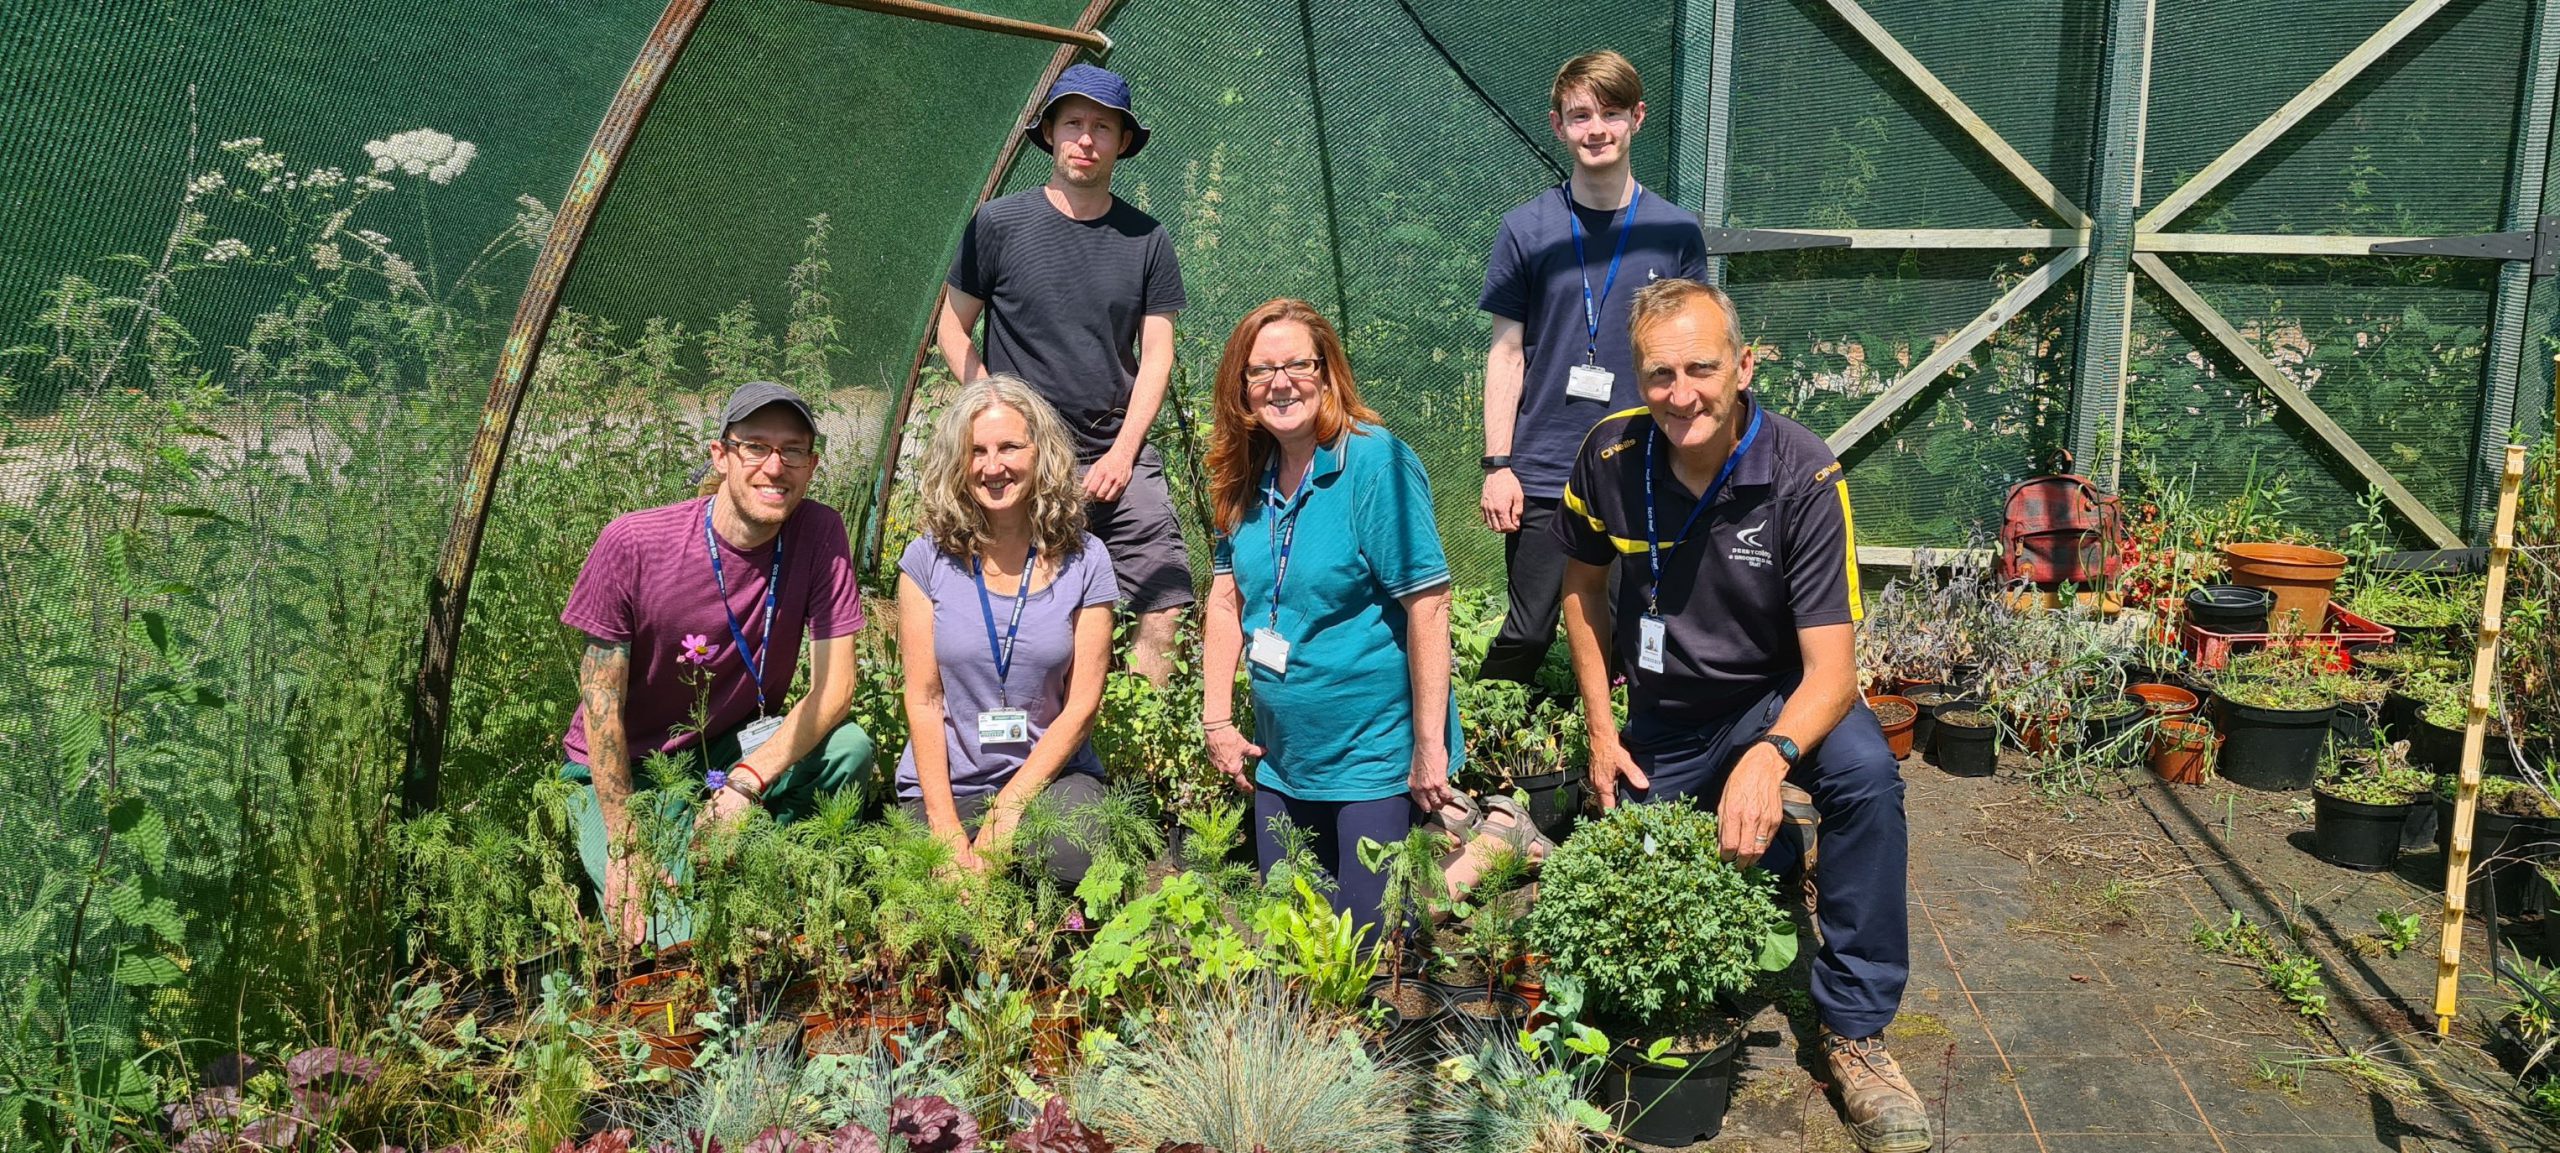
1865 955
1336 828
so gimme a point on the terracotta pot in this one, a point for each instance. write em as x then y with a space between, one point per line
2165 700
1896 734
2041 734
2300 576
892 1023
2183 750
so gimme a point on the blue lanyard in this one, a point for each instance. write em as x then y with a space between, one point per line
1283 526
772 582
1652 537
1021 596
1591 306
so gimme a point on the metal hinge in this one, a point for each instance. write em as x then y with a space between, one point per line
1731 241
2540 246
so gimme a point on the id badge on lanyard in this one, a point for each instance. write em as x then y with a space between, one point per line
1650 633
1004 727
1269 650
1589 382
1005 724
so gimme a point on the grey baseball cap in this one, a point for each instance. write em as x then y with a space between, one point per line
756 394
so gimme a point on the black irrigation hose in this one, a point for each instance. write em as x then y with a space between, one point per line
1451 60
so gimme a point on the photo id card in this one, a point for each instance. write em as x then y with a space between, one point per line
1589 382
1269 651
755 733
1649 640
1004 727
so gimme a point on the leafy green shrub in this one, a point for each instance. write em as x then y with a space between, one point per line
1640 909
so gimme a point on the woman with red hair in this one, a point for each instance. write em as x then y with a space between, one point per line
1331 586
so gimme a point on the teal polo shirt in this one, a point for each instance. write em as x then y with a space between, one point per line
1338 726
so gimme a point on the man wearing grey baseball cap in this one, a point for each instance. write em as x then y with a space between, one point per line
1079 290
701 605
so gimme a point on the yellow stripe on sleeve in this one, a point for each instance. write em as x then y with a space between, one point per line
1849 550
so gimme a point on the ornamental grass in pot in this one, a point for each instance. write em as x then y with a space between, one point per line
2362 802
1658 931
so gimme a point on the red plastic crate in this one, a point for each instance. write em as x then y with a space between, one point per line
2212 650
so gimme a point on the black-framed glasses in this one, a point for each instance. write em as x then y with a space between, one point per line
756 452
1303 368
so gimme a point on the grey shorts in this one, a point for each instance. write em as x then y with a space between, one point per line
1145 540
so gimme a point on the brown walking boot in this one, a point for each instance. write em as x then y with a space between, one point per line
1883 1111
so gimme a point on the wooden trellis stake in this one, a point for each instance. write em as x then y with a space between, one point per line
2475 731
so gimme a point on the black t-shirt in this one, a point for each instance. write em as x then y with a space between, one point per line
1065 299
1532 277
1777 552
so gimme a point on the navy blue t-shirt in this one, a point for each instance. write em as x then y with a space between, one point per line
1533 278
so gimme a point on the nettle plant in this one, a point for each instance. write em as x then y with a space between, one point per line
1658 928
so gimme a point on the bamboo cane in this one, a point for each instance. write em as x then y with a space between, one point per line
2475 731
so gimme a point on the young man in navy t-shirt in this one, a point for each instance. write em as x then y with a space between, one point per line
1557 285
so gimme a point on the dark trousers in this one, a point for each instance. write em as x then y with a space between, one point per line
1860 879
1335 829
1533 576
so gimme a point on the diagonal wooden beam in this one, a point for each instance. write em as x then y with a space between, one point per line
2320 90
1951 350
2297 400
1962 113
1081 36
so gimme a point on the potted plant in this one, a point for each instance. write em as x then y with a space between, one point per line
2510 830
2362 802
2273 712
2164 700
1897 715
1657 930
2431 614
1487 927
1411 868
1968 739
2183 750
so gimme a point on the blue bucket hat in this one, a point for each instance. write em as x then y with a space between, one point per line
1100 85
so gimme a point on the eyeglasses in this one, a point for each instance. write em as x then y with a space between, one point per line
1303 369
756 452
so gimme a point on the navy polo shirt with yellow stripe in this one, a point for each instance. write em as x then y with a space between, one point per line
1777 552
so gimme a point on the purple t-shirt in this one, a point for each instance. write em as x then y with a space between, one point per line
648 582
1044 652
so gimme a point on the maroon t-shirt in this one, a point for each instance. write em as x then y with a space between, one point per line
648 582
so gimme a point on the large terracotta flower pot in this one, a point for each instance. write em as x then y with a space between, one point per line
2300 576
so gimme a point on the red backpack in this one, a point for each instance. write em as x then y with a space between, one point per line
2060 529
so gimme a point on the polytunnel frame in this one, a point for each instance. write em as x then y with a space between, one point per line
449 589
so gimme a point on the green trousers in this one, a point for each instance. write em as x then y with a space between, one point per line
842 761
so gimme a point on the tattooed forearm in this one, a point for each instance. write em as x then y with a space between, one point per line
604 676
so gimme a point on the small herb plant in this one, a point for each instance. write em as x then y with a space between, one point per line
2288 678
1639 908
2378 775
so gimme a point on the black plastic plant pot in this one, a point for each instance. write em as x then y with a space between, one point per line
1478 1014
1666 1106
1554 799
2230 608
1968 749
2503 851
2274 750
1925 699
2357 835
1409 1025
2106 733
2351 725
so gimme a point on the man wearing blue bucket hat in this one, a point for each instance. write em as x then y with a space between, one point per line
1079 290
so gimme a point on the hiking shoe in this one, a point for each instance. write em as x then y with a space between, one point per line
1883 1111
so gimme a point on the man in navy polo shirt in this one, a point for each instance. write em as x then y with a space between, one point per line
1557 285
1734 623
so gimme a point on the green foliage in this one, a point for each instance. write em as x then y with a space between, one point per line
2379 775
1639 908
1246 1065
2285 677
2400 930
1177 935
2294 976
1319 949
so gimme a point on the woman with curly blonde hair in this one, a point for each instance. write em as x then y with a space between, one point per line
1330 583
1004 628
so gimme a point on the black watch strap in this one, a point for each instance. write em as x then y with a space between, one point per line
1493 462
1787 750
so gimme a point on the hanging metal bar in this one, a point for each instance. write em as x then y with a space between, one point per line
449 590
2295 399
1085 38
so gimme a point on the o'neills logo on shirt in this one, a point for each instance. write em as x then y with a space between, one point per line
1747 548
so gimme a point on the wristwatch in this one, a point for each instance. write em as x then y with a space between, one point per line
1493 462
1787 750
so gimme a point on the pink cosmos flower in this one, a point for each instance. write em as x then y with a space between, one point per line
696 650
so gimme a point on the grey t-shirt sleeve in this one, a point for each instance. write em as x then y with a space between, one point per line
973 269
1164 292
1101 580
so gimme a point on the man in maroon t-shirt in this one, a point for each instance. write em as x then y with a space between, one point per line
694 614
